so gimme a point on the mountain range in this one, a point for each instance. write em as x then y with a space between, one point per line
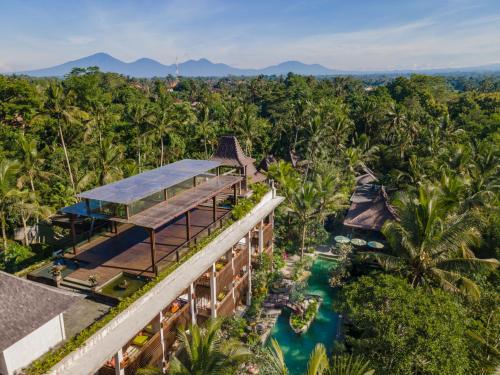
146 68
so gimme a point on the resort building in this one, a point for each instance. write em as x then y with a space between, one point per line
31 321
174 229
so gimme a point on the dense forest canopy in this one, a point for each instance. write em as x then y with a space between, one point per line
432 141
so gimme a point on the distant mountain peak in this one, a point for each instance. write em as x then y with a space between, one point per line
146 67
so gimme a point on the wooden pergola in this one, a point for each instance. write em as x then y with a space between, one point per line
136 188
157 216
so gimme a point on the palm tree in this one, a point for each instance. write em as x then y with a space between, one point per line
109 162
205 129
276 359
99 118
318 363
431 244
249 127
140 116
350 365
207 352
32 161
59 106
8 190
304 206
28 206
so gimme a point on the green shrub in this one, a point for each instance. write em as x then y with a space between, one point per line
15 256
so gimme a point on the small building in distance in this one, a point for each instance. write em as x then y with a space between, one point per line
31 321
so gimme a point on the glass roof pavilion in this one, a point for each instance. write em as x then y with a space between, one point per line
144 184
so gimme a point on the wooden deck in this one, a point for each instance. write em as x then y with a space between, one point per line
130 250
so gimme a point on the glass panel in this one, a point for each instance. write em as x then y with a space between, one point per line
146 203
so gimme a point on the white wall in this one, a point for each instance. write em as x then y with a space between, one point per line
30 347
108 340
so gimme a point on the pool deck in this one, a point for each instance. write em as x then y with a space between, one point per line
130 249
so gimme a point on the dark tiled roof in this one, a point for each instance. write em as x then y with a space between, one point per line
229 153
369 209
26 306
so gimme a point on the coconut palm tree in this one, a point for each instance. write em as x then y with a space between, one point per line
32 162
109 161
59 106
430 244
350 365
318 363
205 129
206 351
8 190
140 116
99 118
276 359
304 205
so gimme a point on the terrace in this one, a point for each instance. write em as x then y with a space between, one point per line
154 217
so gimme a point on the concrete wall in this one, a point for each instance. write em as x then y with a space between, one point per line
111 338
30 347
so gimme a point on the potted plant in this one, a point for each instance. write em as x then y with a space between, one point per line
56 272
92 279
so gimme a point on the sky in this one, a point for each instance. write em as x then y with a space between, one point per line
339 34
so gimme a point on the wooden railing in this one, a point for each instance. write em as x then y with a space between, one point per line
226 306
224 278
240 288
268 235
240 260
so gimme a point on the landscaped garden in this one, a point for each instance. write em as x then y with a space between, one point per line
425 303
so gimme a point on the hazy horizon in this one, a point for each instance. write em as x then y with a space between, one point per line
362 35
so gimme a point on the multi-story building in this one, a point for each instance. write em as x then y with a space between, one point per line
172 227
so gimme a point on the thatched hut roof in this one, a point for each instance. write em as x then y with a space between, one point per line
369 209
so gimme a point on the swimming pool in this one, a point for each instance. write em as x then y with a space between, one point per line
325 328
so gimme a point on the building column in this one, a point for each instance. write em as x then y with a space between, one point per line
214 209
192 303
73 232
249 268
153 251
261 237
162 341
213 292
188 225
118 360
230 260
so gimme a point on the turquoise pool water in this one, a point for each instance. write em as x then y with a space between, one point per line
324 329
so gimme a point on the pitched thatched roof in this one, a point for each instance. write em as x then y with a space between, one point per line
229 153
26 306
369 209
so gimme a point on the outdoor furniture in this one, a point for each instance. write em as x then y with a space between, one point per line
375 245
358 242
342 239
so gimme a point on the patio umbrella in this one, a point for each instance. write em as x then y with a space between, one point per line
375 245
358 242
342 239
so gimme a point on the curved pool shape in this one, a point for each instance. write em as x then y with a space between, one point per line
325 328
